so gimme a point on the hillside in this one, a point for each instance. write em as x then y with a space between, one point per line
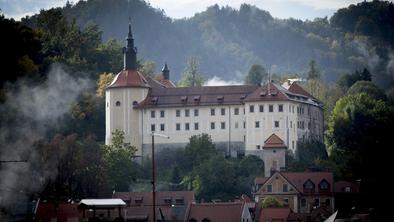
228 41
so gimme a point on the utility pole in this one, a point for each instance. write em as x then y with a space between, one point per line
154 173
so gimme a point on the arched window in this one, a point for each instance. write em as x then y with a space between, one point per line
135 103
192 220
206 220
309 185
117 103
324 185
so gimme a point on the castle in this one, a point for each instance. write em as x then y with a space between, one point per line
238 118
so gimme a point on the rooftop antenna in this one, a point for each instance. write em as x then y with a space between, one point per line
269 83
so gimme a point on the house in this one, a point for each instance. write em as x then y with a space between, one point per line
238 118
301 191
218 212
170 205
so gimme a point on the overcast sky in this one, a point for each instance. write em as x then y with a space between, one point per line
301 9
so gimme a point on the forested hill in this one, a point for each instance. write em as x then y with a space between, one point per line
228 41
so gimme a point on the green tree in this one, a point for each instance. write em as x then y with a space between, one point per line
200 148
147 68
191 76
270 201
119 168
347 80
256 75
367 87
313 73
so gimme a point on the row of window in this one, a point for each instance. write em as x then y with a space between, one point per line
222 125
270 108
309 185
257 124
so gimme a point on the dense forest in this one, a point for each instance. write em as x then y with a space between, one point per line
56 65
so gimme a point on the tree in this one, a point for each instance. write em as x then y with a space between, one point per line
367 87
147 68
103 82
270 201
191 76
347 80
313 73
118 165
200 148
256 75
308 151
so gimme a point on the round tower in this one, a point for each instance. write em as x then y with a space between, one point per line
128 88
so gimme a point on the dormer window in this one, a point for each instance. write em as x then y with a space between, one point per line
220 99
309 185
242 97
274 93
138 200
263 93
179 200
184 99
196 99
168 200
324 185
154 100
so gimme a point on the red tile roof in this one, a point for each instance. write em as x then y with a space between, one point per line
298 179
168 83
260 180
296 88
129 78
274 141
221 212
265 93
61 211
161 196
274 214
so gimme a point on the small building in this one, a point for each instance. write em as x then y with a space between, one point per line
218 212
103 208
170 205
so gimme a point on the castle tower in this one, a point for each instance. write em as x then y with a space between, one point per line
274 155
128 88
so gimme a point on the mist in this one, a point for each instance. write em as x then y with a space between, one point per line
217 81
29 113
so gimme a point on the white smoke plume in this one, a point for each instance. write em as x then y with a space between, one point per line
28 114
216 81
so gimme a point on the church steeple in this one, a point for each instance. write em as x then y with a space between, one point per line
130 52
166 72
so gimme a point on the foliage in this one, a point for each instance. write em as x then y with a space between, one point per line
347 80
118 166
367 87
191 75
255 75
199 149
270 201
147 68
103 82
313 73
309 150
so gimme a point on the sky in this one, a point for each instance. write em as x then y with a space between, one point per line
299 9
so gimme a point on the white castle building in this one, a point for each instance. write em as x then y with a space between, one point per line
238 118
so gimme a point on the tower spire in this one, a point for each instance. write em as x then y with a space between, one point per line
166 71
130 52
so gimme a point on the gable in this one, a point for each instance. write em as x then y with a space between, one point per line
277 182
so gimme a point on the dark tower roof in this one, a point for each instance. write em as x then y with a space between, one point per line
166 72
129 76
130 52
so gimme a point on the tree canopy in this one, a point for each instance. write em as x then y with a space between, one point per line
256 75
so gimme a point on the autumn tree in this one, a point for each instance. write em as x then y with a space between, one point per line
191 76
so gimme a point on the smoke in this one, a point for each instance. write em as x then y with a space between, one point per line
390 65
28 114
216 81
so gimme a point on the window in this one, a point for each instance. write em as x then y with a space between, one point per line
179 200
196 112
292 108
117 103
195 126
236 111
161 127
251 109
153 127
270 108
178 113
328 202
261 108
187 112
223 111
162 113
178 126
291 124
152 114
244 125
309 185
167 200
138 200
258 147
280 108
348 189
284 188
276 124
317 202
292 144
223 125
257 124
212 112
286 200
187 126
212 125
269 188
303 202
324 185
135 103
236 125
